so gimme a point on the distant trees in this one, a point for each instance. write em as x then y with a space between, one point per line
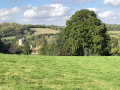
113 27
4 47
1 46
13 29
26 48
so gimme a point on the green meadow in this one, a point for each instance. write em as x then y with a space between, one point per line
9 38
20 72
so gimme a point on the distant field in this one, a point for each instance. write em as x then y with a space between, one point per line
19 72
47 31
114 33
12 37
43 31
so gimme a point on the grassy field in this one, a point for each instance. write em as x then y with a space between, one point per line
19 72
43 31
114 33
12 37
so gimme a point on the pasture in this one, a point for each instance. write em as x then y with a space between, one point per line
20 72
9 38
114 33
43 31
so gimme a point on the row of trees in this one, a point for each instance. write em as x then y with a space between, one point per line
13 29
113 27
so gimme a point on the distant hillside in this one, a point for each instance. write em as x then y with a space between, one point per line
44 31
113 27
114 33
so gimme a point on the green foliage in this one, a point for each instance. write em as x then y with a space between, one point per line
84 34
114 51
4 47
113 27
14 49
13 29
114 42
26 48
42 51
1 46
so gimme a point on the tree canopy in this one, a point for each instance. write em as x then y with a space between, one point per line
84 34
26 48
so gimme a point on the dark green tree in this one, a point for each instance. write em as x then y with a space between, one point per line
4 47
1 46
26 48
84 34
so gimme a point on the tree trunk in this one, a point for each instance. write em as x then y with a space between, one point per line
87 51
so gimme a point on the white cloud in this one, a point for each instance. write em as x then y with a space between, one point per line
5 12
46 11
107 14
112 2
80 1
26 7
8 14
51 21
74 1
110 17
93 9
47 14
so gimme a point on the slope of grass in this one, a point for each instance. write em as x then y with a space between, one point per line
8 38
43 31
19 72
114 33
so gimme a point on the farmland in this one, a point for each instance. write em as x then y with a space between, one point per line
114 33
9 38
49 31
61 73
43 31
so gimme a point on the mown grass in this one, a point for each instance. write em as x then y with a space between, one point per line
19 72
43 31
12 37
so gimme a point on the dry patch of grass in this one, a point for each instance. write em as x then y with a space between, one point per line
43 31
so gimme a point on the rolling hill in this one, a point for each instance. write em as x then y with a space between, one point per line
44 31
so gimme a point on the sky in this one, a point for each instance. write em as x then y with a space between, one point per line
56 12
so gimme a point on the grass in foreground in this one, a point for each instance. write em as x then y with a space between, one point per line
19 72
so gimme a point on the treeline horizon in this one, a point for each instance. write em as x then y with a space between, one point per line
13 29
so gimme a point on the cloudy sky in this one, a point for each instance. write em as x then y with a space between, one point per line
56 12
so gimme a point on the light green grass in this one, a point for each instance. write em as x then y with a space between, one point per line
43 31
19 72
116 33
8 38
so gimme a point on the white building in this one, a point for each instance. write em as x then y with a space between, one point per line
21 42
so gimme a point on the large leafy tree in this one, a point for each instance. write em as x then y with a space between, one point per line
84 34
26 48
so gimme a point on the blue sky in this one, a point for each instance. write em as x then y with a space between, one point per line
56 12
